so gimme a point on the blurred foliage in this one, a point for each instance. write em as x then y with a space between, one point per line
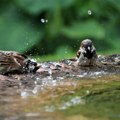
41 27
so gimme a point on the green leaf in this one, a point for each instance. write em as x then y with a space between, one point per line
37 6
88 28
16 32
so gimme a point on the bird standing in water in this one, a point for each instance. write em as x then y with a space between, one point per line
86 55
14 62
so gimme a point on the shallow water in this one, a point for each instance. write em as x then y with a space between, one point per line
92 96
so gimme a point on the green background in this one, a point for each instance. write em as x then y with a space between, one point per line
53 29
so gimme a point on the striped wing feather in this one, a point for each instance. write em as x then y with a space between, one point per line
10 61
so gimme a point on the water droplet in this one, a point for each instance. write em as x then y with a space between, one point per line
50 72
35 82
35 90
89 12
49 108
54 82
74 101
33 60
42 20
87 92
24 94
37 79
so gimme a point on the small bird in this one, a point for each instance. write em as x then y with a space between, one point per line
86 55
14 62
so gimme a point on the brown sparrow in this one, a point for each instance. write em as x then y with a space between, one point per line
14 62
86 54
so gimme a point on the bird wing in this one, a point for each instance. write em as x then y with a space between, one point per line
78 53
10 61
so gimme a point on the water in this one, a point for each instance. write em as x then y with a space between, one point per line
72 102
42 97
89 12
43 20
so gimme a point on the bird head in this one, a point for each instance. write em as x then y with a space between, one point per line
87 48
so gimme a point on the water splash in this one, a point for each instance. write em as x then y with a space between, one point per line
33 60
50 108
25 93
98 74
40 84
74 101
36 89
46 20
45 65
87 92
50 72
43 20
89 12
92 74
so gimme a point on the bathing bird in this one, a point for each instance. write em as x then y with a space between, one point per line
86 55
15 62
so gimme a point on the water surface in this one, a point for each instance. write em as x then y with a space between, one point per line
93 96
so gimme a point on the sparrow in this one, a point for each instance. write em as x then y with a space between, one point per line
14 62
86 55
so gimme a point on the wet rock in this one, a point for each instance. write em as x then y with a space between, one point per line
7 81
65 68
111 59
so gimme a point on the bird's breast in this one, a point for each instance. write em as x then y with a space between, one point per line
88 54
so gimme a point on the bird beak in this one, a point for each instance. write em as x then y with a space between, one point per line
89 48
